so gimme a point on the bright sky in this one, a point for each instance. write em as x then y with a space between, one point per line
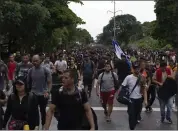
94 13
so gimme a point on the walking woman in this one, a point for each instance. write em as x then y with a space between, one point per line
21 108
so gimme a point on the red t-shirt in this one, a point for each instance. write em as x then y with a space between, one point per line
11 70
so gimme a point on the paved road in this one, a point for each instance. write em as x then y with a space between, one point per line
151 121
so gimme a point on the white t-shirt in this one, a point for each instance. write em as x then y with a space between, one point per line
61 65
130 81
48 66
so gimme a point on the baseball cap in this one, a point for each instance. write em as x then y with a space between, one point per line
20 80
135 65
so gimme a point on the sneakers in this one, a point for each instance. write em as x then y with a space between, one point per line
169 121
138 121
149 109
108 119
175 109
162 120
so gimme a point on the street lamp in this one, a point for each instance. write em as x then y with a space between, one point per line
114 12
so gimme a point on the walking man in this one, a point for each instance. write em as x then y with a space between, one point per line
40 82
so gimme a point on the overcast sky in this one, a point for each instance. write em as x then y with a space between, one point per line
94 13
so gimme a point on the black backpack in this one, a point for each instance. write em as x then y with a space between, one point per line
85 124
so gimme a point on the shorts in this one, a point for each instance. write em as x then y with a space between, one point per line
107 97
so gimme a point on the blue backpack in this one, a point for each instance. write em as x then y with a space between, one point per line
88 68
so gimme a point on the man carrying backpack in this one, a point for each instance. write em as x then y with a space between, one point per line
23 67
87 70
106 81
39 82
72 104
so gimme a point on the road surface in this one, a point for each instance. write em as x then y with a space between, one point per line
151 121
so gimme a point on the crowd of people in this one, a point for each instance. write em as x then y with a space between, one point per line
67 78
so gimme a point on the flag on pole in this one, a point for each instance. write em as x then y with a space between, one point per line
118 50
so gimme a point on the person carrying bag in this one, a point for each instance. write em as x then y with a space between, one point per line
123 96
22 108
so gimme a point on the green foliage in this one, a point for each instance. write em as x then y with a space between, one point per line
167 47
148 28
167 21
136 35
83 36
147 43
41 24
126 27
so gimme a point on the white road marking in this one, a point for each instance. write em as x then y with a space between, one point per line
118 109
114 109
95 83
121 109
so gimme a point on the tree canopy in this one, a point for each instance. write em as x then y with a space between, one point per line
38 24
160 33
166 28
127 28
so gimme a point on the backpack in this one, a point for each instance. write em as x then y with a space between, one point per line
92 66
85 124
30 78
3 68
116 83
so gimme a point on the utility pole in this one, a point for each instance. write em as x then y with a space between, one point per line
114 12
114 20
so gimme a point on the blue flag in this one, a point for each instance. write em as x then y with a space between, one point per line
119 52
117 49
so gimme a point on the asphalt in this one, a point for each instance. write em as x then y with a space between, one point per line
150 121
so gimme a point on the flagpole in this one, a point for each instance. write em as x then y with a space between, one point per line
114 12
114 38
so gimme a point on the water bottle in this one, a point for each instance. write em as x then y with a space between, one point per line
26 127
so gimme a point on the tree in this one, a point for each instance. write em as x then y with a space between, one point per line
99 38
127 28
147 43
35 23
148 28
83 36
166 28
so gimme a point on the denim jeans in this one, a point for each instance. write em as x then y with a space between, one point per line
134 109
176 100
166 103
